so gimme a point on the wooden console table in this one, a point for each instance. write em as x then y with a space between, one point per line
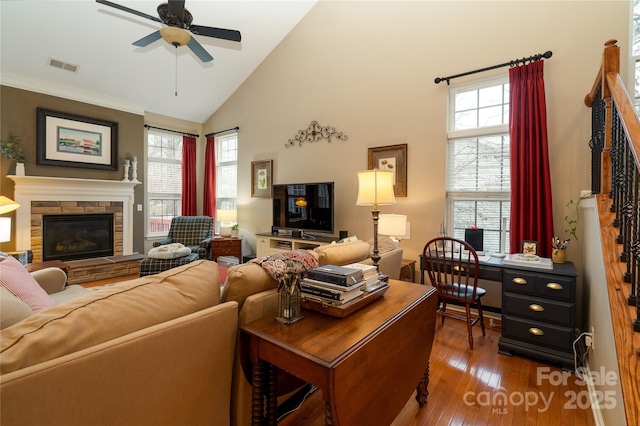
366 364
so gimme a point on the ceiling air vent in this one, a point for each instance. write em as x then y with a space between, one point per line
62 65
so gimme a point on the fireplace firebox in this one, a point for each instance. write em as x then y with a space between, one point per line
77 236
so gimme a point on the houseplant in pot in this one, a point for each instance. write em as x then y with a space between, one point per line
11 151
234 231
558 245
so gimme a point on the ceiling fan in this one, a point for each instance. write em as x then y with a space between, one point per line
178 20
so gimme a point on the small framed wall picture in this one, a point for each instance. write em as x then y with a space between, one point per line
391 158
261 178
529 247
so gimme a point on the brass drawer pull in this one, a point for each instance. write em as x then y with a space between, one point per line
536 331
457 268
554 286
536 308
520 281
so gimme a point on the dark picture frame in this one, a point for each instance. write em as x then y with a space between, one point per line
529 247
70 140
261 178
391 158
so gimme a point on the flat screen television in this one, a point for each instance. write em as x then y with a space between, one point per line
306 207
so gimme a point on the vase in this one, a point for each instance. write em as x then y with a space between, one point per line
289 309
19 169
559 255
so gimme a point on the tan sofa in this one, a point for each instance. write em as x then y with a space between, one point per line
156 350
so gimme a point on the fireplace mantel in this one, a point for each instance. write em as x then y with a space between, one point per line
43 188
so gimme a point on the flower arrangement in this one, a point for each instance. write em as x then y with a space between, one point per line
11 149
571 221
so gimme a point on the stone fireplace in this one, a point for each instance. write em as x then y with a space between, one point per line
47 196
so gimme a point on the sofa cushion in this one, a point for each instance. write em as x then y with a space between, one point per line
244 280
108 313
342 253
15 278
12 309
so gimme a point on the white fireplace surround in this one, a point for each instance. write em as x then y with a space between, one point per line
41 188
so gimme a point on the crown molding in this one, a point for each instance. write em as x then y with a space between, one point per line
19 81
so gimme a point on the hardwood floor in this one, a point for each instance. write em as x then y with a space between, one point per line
466 387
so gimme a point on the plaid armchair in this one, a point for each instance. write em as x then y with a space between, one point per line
194 232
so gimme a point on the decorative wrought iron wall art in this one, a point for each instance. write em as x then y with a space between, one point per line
314 132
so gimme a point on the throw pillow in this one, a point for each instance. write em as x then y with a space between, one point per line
15 278
12 309
296 261
169 251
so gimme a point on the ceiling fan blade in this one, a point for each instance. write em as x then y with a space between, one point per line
176 8
199 50
126 9
222 33
147 40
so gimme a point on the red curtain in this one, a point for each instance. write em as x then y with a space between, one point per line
531 208
189 194
209 208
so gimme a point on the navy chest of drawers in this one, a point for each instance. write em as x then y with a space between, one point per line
540 313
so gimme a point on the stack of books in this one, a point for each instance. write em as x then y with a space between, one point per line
337 285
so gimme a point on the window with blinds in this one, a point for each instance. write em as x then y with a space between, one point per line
227 171
478 175
164 180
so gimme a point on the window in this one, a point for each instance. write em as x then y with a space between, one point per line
478 179
164 180
226 171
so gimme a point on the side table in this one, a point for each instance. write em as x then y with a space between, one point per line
366 364
226 246
408 270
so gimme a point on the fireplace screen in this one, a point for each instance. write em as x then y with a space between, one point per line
79 236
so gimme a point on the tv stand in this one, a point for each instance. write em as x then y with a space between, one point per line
268 244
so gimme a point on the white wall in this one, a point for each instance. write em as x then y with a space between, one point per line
368 68
598 314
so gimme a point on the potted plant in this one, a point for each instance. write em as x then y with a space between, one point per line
558 245
234 231
11 151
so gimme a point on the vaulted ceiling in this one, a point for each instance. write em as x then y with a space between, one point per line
97 39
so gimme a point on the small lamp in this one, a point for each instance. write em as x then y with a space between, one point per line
5 229
375 187
226 219
7 205
393 225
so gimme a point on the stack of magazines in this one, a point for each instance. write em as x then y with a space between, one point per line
337 285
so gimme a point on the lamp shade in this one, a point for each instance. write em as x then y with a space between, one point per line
227 215
392 224
7 205
5 229
375 187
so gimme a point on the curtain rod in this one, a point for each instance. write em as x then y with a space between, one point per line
222 131
147 126
515 62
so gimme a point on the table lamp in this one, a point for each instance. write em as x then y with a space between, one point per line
226 218
393 225
375 188
7 205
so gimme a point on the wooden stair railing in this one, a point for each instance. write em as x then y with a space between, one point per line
615 168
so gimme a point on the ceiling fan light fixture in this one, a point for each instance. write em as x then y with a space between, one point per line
175 36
